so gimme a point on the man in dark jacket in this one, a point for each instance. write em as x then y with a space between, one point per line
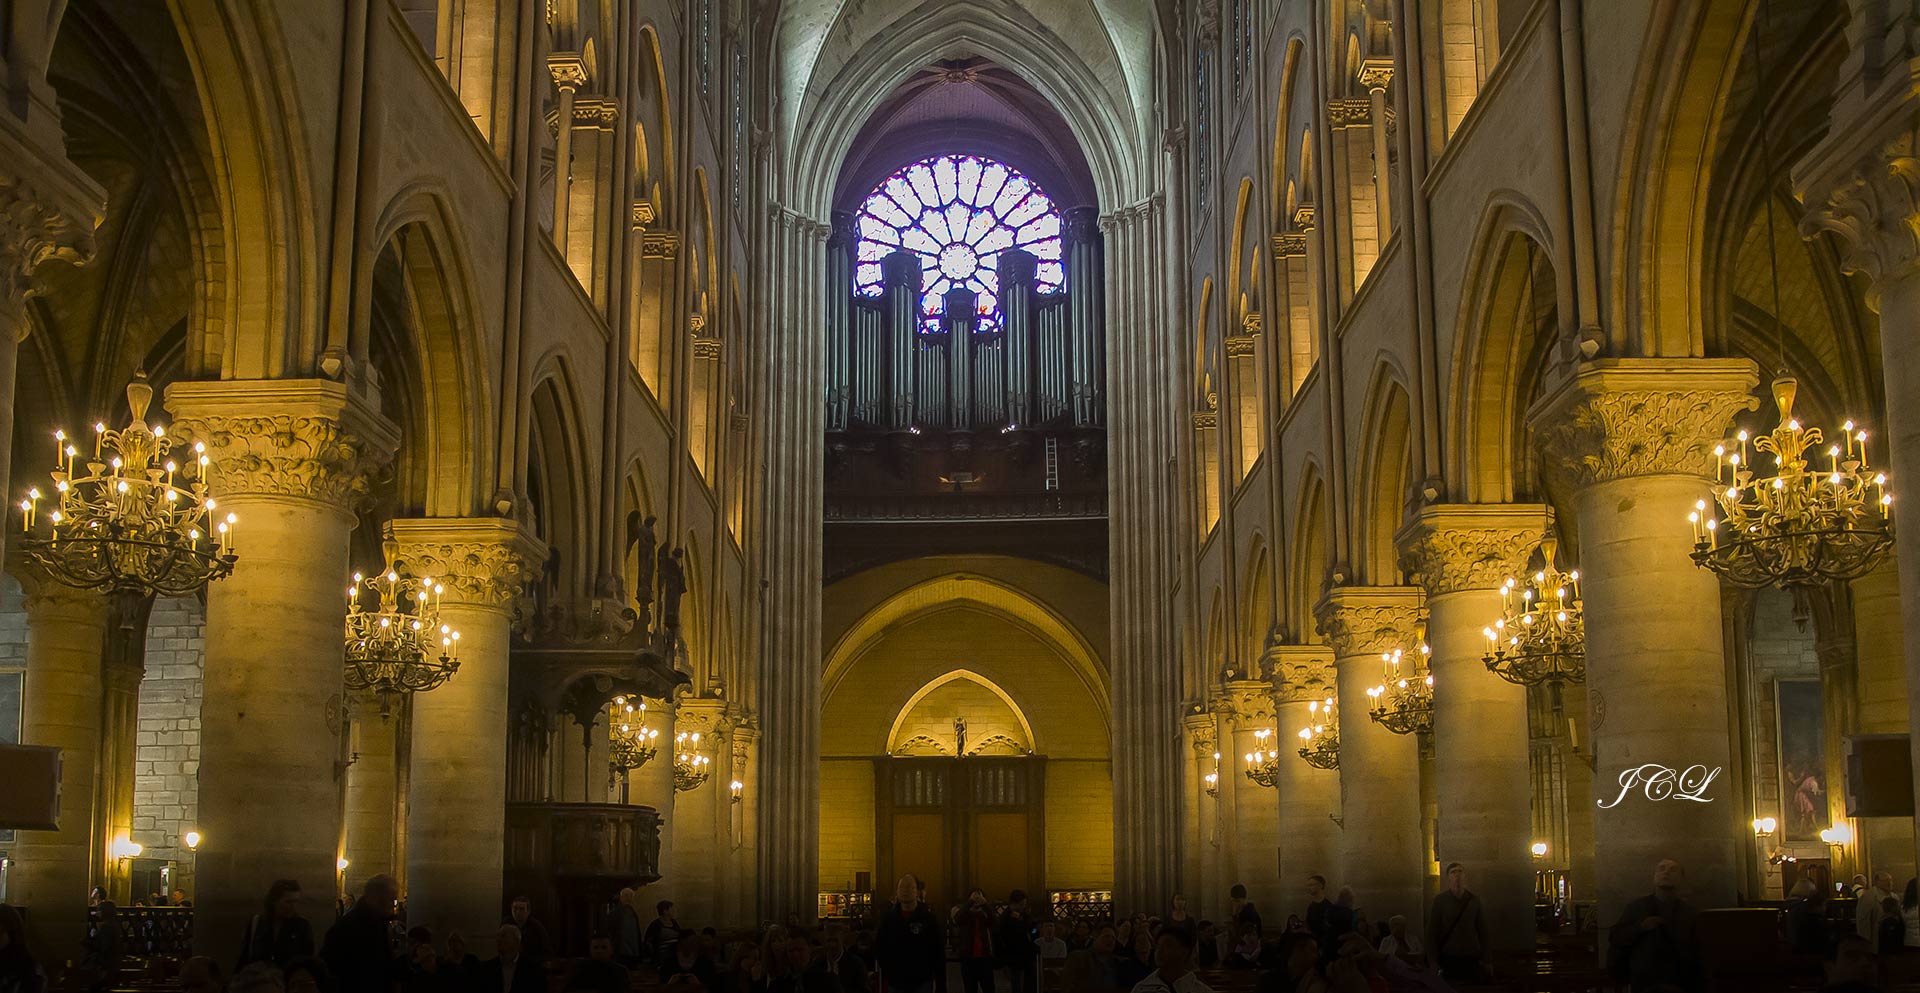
973 941
1654 944
510 970
1013 944
533 934
1458 929
599 973
838 969
356 949
910 947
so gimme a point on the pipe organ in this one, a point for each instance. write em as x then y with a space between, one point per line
892 367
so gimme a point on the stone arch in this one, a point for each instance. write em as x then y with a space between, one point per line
656 116
1256 604
1282 144
1310 555
1502 345
1381 494
959 675
1214 650
559 476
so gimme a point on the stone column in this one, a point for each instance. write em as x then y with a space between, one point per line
372 810
1376 75
1630 440
1882 686
1308 798
1461 554
1862 182
290 458
1201 731
457 777
1256 818
742 821
699 826
1382 853
119 737
66 630
651 785
569 73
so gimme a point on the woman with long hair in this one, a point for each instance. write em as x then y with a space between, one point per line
278 934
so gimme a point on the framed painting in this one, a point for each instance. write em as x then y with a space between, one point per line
1800 727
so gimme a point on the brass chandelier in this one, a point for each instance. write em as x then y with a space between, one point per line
1540 636
690 768
634 744
398 645
130 519
1800 525
1403 703
1320 739
1263 763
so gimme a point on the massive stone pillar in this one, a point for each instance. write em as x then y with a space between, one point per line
1862 184
1308 799
374 802
1879 641
121 671
1629 440
290 459
742 803
457 777
1382 853
700 840
1203 872
1461 554
1248 711
651 785
66 629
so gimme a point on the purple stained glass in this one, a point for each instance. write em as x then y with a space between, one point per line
958 213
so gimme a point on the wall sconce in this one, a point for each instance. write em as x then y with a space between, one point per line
734 790
1213 778
124 848
1839 834
342 864
192 840
1539 849
1764 826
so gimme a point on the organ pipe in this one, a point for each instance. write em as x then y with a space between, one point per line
840 378
1017 270
900 273
1085 348
959 320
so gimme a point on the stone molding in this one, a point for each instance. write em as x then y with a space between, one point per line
305 438
1375 74
1862 182
1365 622
40 221
1290 245
1450 548
1250 324
1347 112
1622 418
659 244
1202 733
706 347
642 213
1301 672
1241 346
1248 704
1303 217
600 113
568 69
704 714
1206 420
485 562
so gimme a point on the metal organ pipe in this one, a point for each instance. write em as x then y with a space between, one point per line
1083 265
900 273
1017 269
843 335
959 320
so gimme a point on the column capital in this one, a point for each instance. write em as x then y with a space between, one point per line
1301 672
706 715
568 69
1448 548
1862 182
1621 418
48 210
42 592
1203 731
486 562
1368 621
1248 704
1375 74
304 438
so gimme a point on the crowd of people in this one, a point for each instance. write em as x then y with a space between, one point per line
1332 945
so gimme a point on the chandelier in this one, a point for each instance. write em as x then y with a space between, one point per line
1403 703
690 768
1263 763
398 646
633 742
1320 739
130 519
1799 526
1540 635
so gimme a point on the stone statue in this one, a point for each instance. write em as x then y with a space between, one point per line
640 535
671 579
959 736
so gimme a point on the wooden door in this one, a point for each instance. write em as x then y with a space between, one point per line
958 823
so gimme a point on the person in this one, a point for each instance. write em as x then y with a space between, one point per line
510 970
534 943
1245 915
309 975
1654 943
909 945
260 977
1013 944
795 974
1178 916
1893 928
1398 941
1910 913
1319 909
1857 886
201 974
457 962
19 971
1082 936
277 934
180 899
1850 966
1867 911
1459 929
662 934
356 949
1299 960
101 949
837 970
973 939
1136 962
688 962
1049 946
598 972
422 972
1173 965
624 925
1206 945
746 973
1245 954
1807 919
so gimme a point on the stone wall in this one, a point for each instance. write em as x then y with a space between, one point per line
167 761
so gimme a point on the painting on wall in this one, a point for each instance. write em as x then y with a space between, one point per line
1803 769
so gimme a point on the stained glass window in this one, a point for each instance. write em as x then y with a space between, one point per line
1202 140
958 213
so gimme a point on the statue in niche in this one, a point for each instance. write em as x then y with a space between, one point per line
959 736
640 535
671 578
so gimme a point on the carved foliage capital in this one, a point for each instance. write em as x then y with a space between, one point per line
1622 418
1202 732
1289 245
1346 112
1367 621
1248 704
36 228
1872 202
706 716
1375 74
1450 549
484 562
569 70
297 438
1302 673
